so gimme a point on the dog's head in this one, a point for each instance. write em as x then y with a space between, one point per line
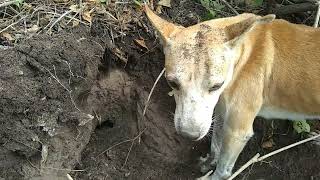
199 62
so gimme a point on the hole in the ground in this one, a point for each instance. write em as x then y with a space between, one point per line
108 124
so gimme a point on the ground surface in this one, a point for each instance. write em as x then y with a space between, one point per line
52 85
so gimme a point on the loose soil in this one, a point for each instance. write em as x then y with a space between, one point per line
71 106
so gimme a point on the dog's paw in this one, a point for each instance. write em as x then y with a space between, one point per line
206 163
317 140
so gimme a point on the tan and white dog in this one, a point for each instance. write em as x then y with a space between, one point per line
239 67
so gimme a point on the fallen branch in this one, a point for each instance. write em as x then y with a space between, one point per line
7 3
230 7
295 8
245 166
128 140
152 89
69 177
256 158
61 169
59 19
316 22
12 24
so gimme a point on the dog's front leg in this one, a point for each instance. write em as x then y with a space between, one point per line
237 130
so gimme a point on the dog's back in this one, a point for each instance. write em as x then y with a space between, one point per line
294 82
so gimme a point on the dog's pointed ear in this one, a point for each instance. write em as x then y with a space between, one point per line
164 27
236 32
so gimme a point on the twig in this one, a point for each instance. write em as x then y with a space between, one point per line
26 145
256 159
316 22
229 6
128 140
70 17
59 19
127 157
54 76
111 147
251 161
60 169
33 165
8 3
135 138
295 8
288 147
206 176
13 24
154 85
69 177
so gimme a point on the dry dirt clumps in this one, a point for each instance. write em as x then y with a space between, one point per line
56 89
42 129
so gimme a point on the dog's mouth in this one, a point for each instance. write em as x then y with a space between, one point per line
192 132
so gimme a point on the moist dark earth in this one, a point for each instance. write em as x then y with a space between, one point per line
69 105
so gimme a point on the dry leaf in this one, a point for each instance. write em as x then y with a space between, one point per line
141 43
75 23
166 3
159 9
87 16
268 144
7 36
33 29
120 54
100 10
74 8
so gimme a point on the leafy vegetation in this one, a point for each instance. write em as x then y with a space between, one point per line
212 7
301 126
18 2
258 2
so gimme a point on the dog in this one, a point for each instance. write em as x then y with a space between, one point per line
238 68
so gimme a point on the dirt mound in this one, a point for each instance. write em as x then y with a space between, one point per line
42 128
53 87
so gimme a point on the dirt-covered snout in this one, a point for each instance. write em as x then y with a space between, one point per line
193 112
197 83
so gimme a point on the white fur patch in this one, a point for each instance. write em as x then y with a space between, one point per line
276 113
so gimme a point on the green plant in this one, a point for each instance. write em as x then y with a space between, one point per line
212 7
18 2
258 2
138 3
301 126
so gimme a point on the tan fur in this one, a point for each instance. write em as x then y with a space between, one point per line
276 64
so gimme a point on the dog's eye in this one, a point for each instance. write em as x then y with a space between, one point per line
173 84
216 87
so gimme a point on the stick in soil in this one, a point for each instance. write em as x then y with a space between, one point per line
128 140
12 24
59 19
316 22
230 7
8 3
256 158
152 89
